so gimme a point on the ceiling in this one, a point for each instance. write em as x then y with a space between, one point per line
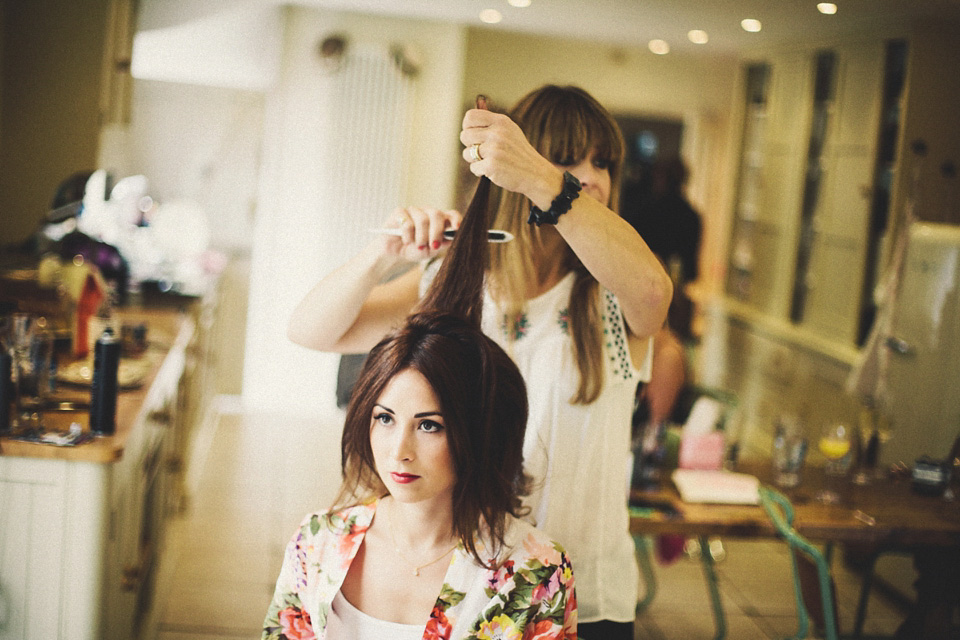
633 22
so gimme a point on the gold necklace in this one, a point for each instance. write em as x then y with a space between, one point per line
416 568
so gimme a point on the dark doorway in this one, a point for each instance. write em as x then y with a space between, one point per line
648 140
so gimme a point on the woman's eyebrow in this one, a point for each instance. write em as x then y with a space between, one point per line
424 414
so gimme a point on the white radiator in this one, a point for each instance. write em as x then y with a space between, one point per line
335 157
371 102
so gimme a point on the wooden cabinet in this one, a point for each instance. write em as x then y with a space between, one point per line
839 143
65 76
82 528
842 145
52 515
799 245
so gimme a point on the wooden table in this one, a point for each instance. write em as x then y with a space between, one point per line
885 513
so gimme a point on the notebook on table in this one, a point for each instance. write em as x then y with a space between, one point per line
716 487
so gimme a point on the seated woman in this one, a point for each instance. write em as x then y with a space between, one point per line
424 540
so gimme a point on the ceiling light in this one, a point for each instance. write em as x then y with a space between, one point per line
490 16
751 25
519 3
698 36
659 47
827 8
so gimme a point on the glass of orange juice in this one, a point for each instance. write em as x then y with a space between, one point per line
834 443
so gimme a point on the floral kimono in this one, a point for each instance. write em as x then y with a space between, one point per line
529 597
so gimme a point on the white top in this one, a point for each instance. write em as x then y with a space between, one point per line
346 622
578 455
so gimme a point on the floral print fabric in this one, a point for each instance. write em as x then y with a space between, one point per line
530 596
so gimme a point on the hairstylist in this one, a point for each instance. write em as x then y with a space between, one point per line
574 299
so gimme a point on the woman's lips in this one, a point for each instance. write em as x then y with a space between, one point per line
403 478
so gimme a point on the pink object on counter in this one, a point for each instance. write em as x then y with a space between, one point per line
701 451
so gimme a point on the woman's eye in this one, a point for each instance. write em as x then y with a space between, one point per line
429 426
601 163
383 418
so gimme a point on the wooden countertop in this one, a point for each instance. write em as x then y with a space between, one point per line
168 332
885 512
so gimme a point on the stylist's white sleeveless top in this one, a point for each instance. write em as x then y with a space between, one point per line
578 455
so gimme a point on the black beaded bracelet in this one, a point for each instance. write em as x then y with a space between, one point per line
560 205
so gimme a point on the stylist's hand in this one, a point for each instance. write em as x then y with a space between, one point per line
421 232
506 157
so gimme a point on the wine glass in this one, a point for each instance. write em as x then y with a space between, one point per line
834 444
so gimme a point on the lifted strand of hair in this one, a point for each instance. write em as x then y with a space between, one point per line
458 286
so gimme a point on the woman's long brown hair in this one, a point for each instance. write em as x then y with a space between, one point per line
564 124
458 285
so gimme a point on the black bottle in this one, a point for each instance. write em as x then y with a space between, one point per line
103 400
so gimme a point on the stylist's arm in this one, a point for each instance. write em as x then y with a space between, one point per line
352 308
604 242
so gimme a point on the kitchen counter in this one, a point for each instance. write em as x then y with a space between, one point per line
84 526
168 333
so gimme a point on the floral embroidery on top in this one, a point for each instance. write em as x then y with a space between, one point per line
614 335
563 319
517 329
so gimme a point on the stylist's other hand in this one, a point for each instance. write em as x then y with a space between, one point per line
506 157
421 232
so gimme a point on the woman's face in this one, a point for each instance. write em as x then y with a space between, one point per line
593 173
409 441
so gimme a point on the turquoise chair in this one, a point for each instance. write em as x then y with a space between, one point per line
812 582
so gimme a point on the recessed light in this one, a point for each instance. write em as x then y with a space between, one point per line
490 16
827 8
659 47
751 25
698 36
519 3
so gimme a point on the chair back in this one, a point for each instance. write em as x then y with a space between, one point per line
812 583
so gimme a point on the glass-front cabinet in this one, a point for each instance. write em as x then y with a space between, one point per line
813 191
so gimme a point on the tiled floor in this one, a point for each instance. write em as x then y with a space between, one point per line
262 474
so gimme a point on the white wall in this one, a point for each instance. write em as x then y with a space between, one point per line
237 45
291 250
203 144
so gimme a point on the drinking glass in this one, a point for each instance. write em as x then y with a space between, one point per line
834 444
868 450
22 329
789 450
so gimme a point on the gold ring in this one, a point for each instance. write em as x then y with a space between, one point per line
475 153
